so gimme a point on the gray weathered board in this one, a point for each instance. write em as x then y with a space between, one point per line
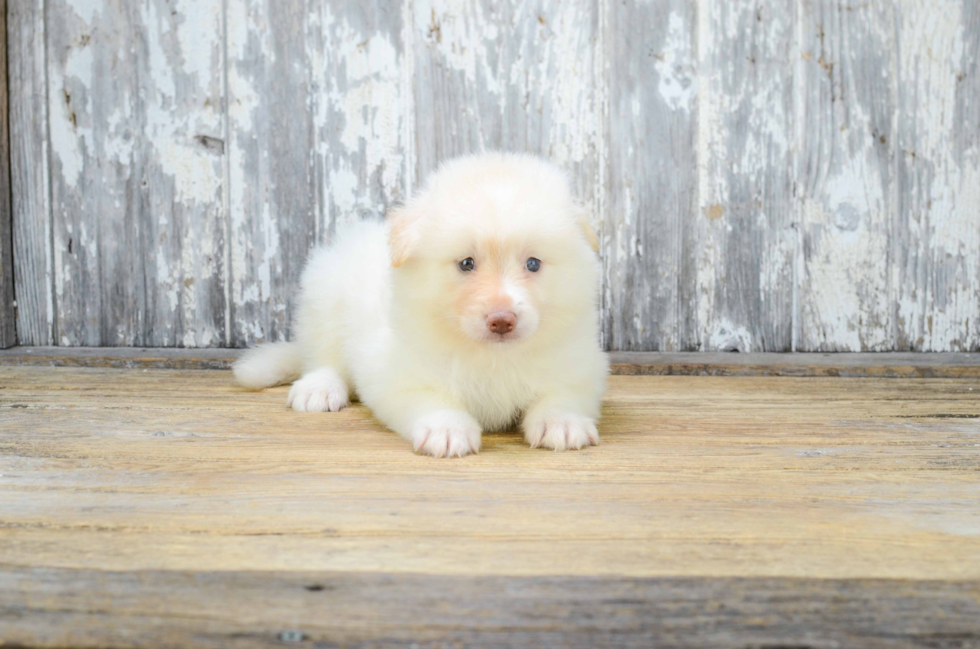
8 334
764 175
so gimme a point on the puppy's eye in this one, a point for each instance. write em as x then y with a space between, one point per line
467 265
533 264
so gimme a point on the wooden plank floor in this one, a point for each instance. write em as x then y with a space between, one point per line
150 507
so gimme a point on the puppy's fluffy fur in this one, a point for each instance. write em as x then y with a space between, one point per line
389 312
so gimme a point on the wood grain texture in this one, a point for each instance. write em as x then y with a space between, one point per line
516 75
889 160
936 240
8 329
878 365
764 176
271 200
649 296
746 128
148 507
30 194
96 195
135 101
260 609
317 113
183 238
696 476
846 175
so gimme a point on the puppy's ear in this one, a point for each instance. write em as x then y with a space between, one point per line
582 215
403 233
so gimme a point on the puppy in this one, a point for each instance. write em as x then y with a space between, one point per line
472 308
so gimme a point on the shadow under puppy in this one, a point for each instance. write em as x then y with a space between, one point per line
472 307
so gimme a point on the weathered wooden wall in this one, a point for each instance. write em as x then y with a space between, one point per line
8 333
765 175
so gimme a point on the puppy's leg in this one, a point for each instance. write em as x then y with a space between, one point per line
322 390
556 423
446 433
435 426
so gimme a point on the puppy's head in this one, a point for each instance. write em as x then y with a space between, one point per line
494 250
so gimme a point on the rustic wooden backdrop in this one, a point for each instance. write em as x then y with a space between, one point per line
765 175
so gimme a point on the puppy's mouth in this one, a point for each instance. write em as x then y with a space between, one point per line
491 337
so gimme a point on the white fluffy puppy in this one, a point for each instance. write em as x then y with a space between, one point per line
472 308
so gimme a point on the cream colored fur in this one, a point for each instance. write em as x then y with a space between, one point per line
387 314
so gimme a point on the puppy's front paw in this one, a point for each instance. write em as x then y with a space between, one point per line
319 391
446 433
560 431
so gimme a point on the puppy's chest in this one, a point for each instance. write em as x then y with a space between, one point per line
495 398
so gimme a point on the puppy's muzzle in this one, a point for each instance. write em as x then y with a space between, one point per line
501 322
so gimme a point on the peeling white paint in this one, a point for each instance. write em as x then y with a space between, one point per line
344 185
196 176
408 144
847 277
460 30
744 161
370 103
675 65
195 172
565 71
355 105
85 10
198 34
886 249
943 188
842 285
849 199
120 145
161 73
70 123
727 336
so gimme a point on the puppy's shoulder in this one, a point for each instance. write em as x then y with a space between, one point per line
362 244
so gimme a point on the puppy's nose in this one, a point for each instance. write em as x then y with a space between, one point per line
501 322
